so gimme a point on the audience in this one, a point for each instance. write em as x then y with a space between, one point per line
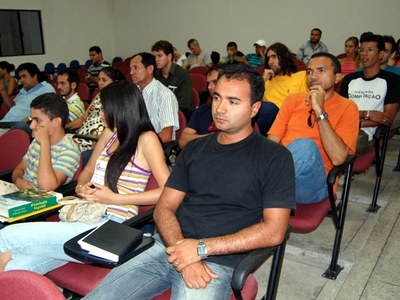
229 193
257 59
8 83
161 103
90 122
33 85
98 62
197 57
67 86
201 123
313 45
319 128
281 80
375 91
173 76
395 59
180 60
126 155
233 55
53 157
351 61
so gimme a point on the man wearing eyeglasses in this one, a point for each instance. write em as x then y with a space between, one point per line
375 91
319 128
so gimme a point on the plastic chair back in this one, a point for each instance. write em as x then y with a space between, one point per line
21 284
199 82
13 146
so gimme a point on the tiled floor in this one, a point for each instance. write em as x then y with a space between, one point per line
370 251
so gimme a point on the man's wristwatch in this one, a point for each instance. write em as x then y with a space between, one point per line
202 249
323 116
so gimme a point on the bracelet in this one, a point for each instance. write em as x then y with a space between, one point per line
367 117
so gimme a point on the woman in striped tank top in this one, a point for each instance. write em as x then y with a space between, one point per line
127 153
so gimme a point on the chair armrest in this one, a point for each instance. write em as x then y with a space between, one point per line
338 170
171 152
6 176
67 189
254 259
140 219
88 137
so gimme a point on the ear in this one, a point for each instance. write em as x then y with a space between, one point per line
255 108
56 122
170 56
338 77
150 69
73 86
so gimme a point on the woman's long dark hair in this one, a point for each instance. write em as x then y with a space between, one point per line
125 111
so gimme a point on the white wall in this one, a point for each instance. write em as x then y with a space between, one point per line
124 27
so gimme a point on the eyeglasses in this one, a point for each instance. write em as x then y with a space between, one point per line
368 49
310 121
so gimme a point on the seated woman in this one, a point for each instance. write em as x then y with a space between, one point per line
395 59
90 122
127 153
8 83
350 61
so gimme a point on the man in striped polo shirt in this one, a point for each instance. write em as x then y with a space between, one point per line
53 157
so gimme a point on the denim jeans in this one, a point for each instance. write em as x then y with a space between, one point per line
266 116
38 246
149 274
310 174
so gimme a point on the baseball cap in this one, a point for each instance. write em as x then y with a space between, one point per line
261 43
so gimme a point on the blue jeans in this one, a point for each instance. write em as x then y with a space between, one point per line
266 116
310 174
149 274
38 246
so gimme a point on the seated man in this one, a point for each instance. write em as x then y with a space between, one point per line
197 57
53 157
281 80
33 86
67 86
375 91
201 123
233 55
257 59
161 102
319 128
228 193
98 62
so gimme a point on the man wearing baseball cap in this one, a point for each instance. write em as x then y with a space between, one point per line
257 59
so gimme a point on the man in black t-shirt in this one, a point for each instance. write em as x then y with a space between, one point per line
229 192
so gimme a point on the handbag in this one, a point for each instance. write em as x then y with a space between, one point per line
81 210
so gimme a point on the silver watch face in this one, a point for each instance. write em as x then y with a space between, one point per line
202 249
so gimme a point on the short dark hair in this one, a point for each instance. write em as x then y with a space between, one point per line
53 106
317 29
246 72
148 59
376 38
192 41
231 44
95 49
217 67
31 68
113 73
335 61
390 39
164 46
7 66
73 76
285 57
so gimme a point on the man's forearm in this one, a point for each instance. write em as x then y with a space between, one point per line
167 225
334 146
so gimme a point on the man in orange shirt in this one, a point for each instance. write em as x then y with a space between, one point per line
320 128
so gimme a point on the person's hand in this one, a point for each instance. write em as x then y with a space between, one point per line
316 97
183 253
198 275
380 117
22 184
268 74
85 190
41 134
98 193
